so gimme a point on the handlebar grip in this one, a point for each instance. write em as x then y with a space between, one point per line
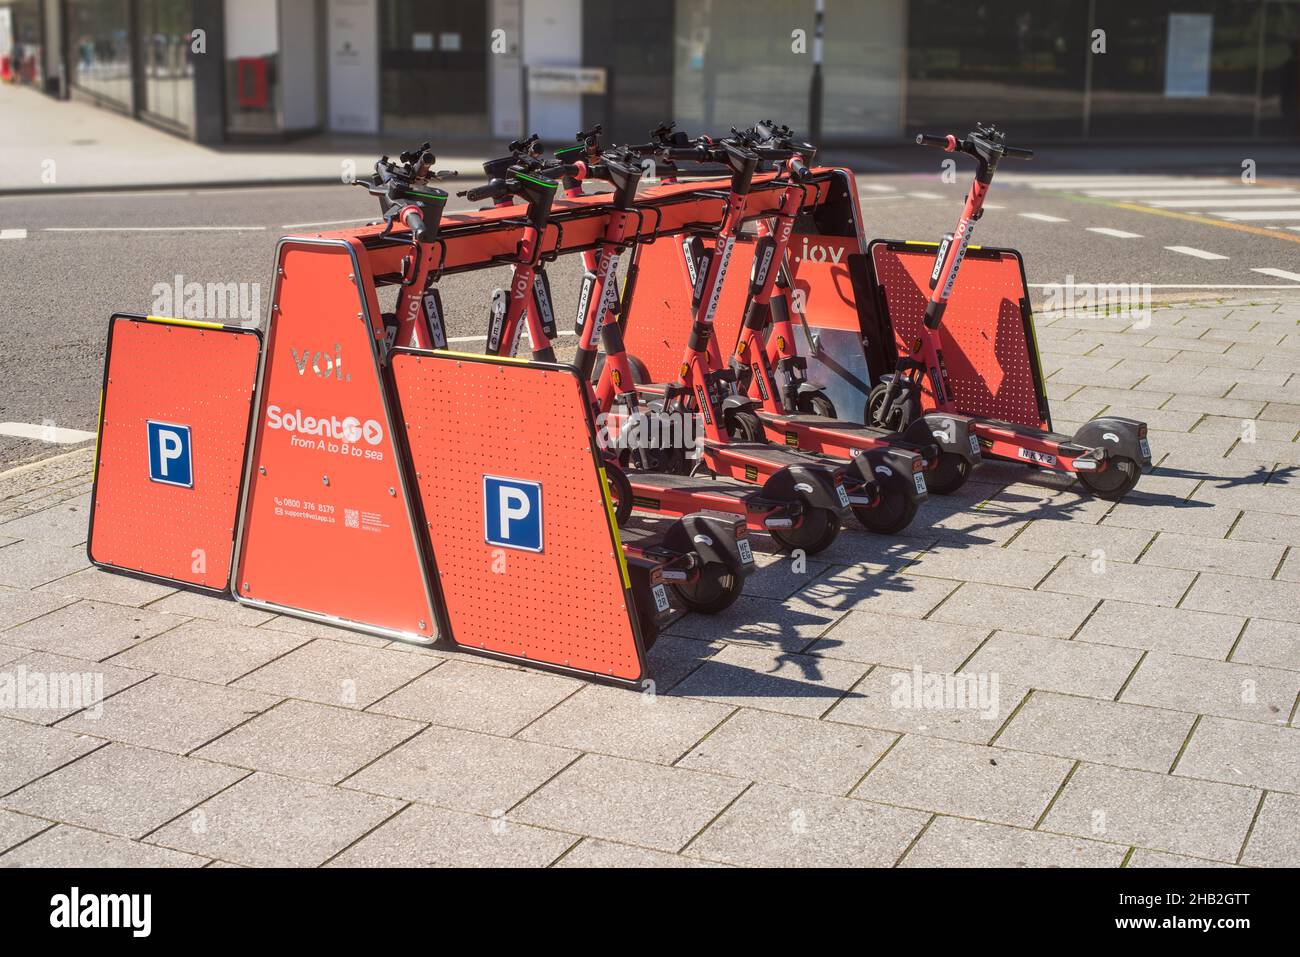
487 191
1017 153
415 223
948 143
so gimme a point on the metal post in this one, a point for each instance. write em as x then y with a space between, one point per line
815 94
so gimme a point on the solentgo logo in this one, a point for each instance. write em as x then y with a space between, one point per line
325 366
349 429
75 909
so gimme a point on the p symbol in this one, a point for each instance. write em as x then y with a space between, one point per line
512 513
169 454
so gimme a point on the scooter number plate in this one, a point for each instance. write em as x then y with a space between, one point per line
844 496
746 553
661 598
974 446
920 482
1145 446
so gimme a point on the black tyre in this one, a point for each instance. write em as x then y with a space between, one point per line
949 475
744 426
875 411
893 513
620 492
815 534
1118 479
640 374
716 588
817 403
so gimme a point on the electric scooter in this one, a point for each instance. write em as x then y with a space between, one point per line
770 368
1107 455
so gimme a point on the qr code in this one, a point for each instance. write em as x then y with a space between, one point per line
351 518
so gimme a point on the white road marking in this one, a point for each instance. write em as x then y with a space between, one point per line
1290 215
13 234
45 433
150 229
1192 251
562 332
1277 273
1292 200
1117 233
1043 217
1170 285
925 196
328 222
1188 192
879 188
1112 182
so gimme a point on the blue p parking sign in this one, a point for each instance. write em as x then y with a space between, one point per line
512 513
169 454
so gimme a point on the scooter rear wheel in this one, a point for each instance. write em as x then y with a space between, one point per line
949 475
817 403
816 533
716 588
744 426
620 492
893 513
1116 481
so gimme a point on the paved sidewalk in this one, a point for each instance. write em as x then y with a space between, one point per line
96 148
1146 658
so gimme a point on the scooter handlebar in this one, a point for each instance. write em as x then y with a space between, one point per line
948 142
1017 153
415 223
492 190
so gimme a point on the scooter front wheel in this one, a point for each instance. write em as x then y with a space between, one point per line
744 426
817 403
949 475
893 513
815 533
716 588
620 492
1115 481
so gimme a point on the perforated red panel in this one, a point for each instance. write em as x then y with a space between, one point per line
989 357
566 605
186 376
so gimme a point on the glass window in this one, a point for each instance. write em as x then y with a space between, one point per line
164 39
1279 105
252 44
433 66
99 45
26 51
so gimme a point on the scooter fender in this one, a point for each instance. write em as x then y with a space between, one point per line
713 538
1118 436
738 402
815 485
952 433
894 468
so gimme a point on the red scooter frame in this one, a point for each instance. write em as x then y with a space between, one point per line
1107 454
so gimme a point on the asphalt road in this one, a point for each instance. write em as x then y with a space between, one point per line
67 262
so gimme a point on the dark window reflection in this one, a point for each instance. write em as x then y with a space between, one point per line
100 49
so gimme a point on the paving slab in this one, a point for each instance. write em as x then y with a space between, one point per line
673 658
1143 858
1275 838
898 641
988 564
958 842
170 714
876 589
780 827
1189 517
1270 644
603 855
794 752
227 610
315 629
209 651
29 751
649 727
330 672
1050 664
462 770
123 790
1061 539
1104 732
75 847
1218 688
1197 634
630 801
423 836
91 630
1226 556
993 784
1156 811
788 626
1046 613
1243 752
270 821
461 694
99 585
17 606
756 678
70 684
1120 581
16 828
1255 526
895 700
64 524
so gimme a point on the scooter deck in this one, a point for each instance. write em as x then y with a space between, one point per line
856 430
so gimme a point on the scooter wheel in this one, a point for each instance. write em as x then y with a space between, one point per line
817 403
893 513
818 530
716 588
949 475
874 413
1116 481
744 426
620 492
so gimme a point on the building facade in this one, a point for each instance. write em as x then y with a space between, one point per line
1104 70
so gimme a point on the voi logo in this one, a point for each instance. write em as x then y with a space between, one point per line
512 513
169 454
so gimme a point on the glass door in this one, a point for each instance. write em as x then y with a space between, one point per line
433 67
